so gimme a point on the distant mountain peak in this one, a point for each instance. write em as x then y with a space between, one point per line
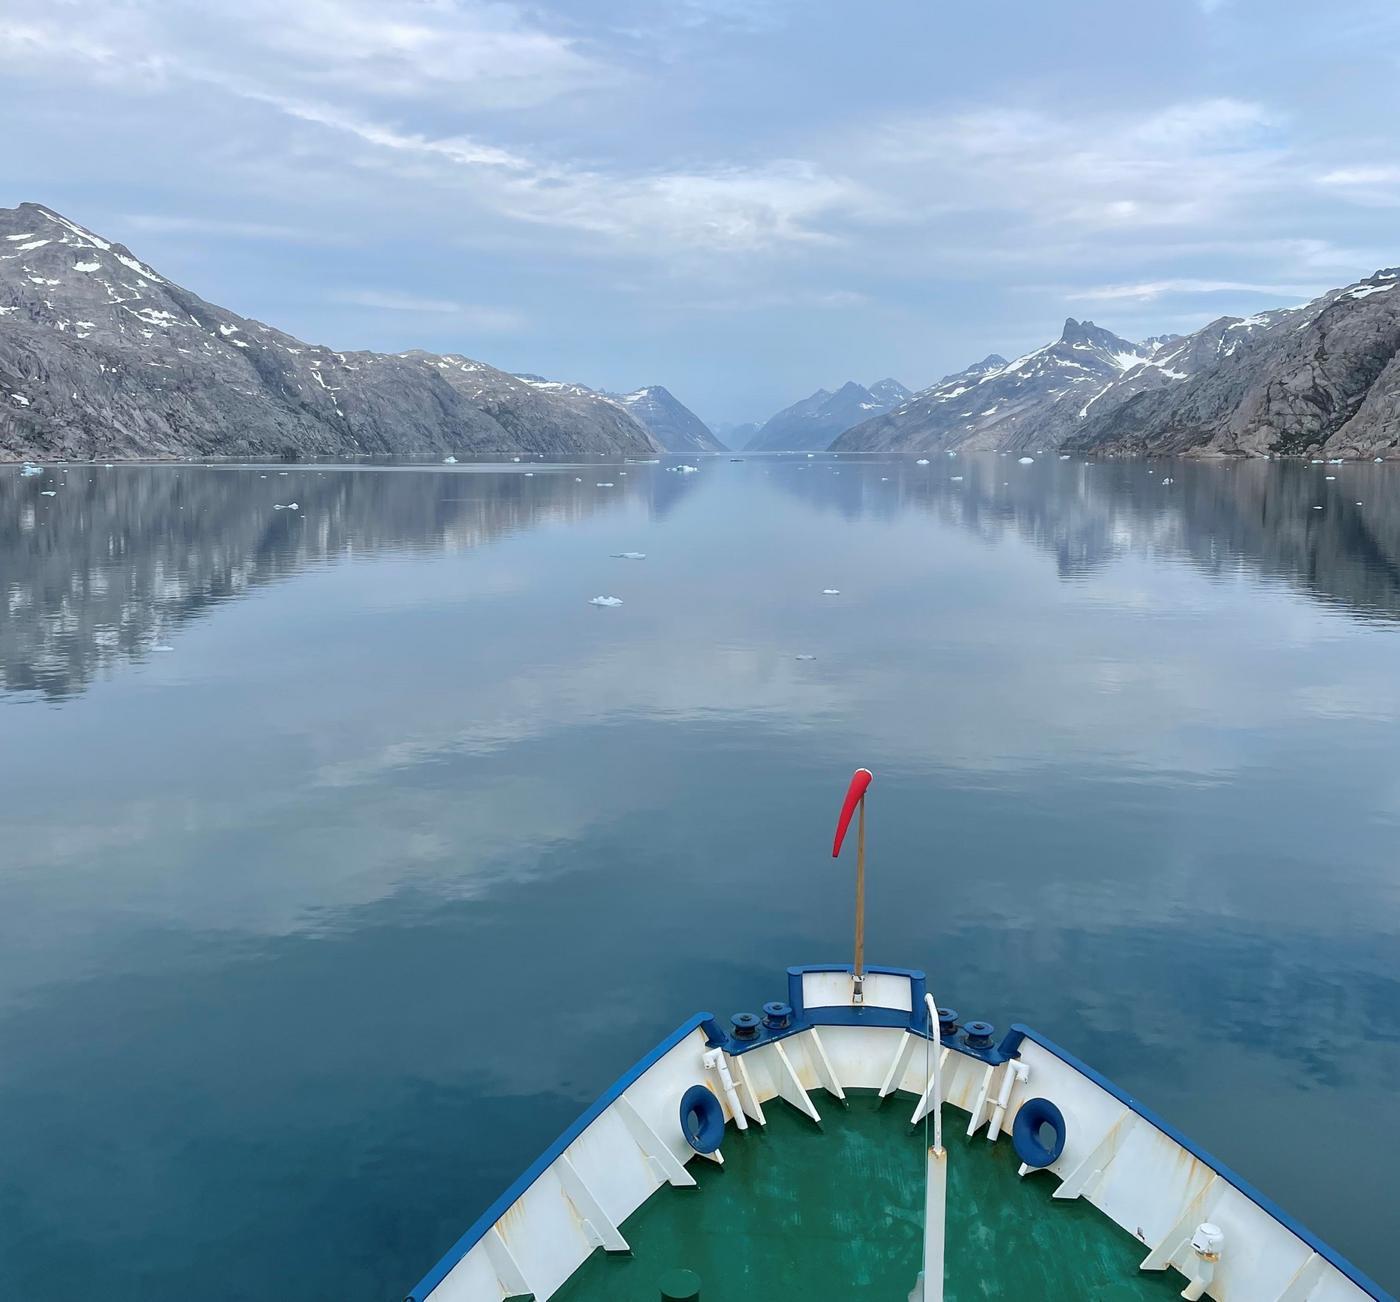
811 424
669 421
1085 334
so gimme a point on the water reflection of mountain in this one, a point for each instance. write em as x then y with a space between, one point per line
1219 515
116 560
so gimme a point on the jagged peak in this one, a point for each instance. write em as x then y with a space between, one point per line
1094 336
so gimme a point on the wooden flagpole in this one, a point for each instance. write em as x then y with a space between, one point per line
860 895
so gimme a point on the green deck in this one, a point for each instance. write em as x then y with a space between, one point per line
801 1214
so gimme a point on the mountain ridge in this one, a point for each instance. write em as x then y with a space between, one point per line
101 356
1321 378
812 423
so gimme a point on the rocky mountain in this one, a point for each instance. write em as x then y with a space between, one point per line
672 424
810 425
1322 380
891 391
100 356
1033 401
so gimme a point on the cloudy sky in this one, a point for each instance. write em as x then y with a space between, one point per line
740 199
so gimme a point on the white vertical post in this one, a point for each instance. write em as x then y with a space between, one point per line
936 1191
935 1215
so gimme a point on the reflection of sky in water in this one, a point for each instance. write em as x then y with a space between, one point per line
285 911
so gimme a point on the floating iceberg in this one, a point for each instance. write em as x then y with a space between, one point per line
31 469
607 483
605 601
683 470
630 556
289 506
449 461
957 479
922 461
831 592
1026 461
804 657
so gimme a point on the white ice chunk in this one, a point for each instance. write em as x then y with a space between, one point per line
1026 461
630 556
605 601
922 461
449 461
831 592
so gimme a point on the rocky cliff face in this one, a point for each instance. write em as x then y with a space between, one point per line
1323 379
671 422
100 356
811 425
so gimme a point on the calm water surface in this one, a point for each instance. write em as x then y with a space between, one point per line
318 925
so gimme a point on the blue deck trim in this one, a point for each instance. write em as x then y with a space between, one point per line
541 1164
1265 1204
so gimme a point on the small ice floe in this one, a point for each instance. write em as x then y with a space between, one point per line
1316 461
1358 504
884 479
1329 476
1169 480
1317 508
1026 461
1377 458
810 455
605 601
1064 456
530 474
605 483
20 398
683 470
804 657
1336 461
30 469
288 506
578 479
957 479
515 458
162 648
49 492
449 461
922 461
951 453
630 556
831 592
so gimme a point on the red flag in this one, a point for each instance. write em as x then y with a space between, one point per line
855 793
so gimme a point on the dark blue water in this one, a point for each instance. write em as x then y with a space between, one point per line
316 927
